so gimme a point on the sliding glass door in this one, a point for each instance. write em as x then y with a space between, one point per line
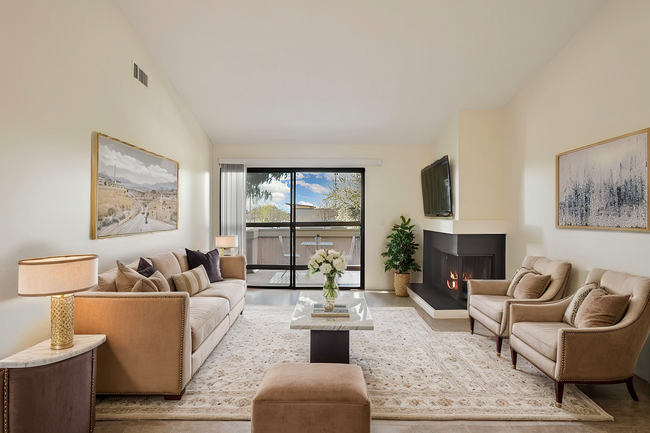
291 213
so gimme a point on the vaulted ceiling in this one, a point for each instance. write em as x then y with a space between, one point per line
349 71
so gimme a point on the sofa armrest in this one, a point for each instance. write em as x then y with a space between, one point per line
148 343
233 267
534 310
487 287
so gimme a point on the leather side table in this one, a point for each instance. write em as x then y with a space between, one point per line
45 390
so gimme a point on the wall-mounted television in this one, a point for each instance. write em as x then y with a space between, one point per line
436 189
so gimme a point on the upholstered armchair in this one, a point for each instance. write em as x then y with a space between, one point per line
488 301
569 354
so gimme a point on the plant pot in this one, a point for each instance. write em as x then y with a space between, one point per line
401 281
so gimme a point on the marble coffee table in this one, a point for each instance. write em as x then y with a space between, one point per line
330 336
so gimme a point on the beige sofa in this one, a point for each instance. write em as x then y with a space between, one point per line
155 342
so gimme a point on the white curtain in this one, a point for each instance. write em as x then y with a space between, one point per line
233 203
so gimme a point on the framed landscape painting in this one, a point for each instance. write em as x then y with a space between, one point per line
605 185
133 191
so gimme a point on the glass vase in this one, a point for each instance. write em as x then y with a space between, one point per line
330 291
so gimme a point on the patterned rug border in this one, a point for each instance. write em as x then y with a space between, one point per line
130 407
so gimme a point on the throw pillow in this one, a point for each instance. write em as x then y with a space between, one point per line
601 309
576 302
145 268
210 262
517 278
127 279
531 286
144 285
192 281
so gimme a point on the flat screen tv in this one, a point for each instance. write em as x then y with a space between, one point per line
436 189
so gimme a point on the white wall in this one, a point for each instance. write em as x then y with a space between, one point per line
480 144
66 72
596 88
392 189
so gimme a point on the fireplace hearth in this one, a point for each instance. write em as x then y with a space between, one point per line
451 259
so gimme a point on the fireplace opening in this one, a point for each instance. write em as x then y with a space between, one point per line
453 271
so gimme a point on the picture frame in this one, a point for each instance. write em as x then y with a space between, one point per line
604 185
133 191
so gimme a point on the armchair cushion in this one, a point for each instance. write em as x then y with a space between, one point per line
491 306
601 309
541 336
521 272
531 286
576 301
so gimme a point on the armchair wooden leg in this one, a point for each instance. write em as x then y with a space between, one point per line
513 357
559 390
471 325
630 388
175 396
499 341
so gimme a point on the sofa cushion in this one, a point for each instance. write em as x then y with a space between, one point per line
168 265
192 281
531 286
205 315
181 256
231 289
576 302
106 281
521 272
541 336
601 309
209 260
490 305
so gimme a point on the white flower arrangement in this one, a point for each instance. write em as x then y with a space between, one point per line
328 262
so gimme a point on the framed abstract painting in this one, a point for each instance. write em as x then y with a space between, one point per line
605 185
134 191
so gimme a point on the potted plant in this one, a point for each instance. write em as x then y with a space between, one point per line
317 240
401 248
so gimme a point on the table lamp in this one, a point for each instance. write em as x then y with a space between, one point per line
226 242
59 277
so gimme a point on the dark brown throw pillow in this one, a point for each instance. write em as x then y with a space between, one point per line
601 309
210 262
145 268
531 286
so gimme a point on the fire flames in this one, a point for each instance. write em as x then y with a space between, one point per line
452 282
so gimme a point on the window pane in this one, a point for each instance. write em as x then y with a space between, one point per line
328 196
268 195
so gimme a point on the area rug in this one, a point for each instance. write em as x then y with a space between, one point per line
412 373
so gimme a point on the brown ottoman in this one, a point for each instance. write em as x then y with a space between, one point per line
314 398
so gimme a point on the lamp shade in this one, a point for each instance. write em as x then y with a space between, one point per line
226 241
57 275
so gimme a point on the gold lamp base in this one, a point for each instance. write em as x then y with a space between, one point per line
62 322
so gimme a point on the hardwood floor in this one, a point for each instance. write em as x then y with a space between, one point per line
630 416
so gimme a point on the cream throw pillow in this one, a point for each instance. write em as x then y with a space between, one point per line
601 309
517 278
127 279
531 286
192 281
576 302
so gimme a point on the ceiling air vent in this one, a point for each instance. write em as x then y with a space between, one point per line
140 75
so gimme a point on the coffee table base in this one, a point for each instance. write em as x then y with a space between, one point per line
330 347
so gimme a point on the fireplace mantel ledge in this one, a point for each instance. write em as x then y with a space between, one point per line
456 227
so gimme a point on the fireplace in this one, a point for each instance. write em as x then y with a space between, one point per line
449 260
451 272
